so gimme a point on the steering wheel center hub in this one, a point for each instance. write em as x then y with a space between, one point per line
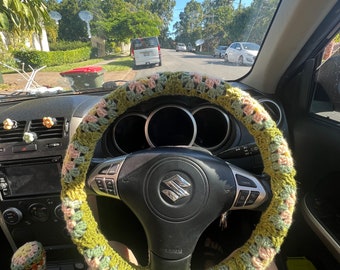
169 189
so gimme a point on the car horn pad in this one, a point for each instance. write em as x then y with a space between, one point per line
260 249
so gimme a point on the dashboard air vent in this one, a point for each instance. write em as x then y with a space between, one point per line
13 135
273 109
47 133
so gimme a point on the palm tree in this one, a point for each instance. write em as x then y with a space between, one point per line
18 15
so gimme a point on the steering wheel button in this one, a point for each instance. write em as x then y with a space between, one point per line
109 183
252 197
242 196
100 182
244 181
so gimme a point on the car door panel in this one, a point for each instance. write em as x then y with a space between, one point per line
315 142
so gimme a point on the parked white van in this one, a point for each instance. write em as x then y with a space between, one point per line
146 51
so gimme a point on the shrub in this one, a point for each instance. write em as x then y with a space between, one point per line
68 45
30 58
37 59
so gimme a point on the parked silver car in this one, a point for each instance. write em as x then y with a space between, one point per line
242 53
220 51
181 47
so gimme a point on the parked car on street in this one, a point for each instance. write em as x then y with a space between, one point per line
220 51
241 53
146 51
181 47
190 48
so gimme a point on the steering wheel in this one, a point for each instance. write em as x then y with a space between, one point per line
177 192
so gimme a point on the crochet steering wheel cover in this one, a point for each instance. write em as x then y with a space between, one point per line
266 239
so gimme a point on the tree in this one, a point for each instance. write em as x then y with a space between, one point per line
163 9
217 16
237 27
262 12
219 22
71 27
189 28
133 24
52 4
251 23
119 21
22 15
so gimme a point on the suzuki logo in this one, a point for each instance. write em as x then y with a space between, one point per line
177 188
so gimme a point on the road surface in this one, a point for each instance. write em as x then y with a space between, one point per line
187 61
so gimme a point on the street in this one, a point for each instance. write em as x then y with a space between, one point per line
187 61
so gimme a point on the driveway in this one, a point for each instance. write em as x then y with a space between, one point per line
15 81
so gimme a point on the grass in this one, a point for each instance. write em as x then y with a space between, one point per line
112 63
117 63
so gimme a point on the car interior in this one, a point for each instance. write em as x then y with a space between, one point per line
178 166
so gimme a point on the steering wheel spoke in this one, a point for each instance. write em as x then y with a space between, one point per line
251 192
104 176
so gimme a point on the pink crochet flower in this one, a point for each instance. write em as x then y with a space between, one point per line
248 109
257 263
210 83
68 165
259 117
101 108
137 86
102 103
151 83
68 212
290 201
266 253
286 217
283 148
70 224
246 100
72 151
101 112
90 119
197 78
285 160
154 77
93 263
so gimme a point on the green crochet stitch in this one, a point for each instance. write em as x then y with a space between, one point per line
273 226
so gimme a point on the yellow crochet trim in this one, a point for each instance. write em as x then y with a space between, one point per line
272 228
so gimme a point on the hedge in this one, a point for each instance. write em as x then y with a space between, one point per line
38 59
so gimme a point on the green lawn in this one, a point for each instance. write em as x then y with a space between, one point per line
113 63
117 63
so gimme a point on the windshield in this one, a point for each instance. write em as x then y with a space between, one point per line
251 46
83 45
142 43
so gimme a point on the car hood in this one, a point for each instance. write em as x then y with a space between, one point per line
252 52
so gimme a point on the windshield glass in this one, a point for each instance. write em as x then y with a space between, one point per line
250 46
142 43
83 45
